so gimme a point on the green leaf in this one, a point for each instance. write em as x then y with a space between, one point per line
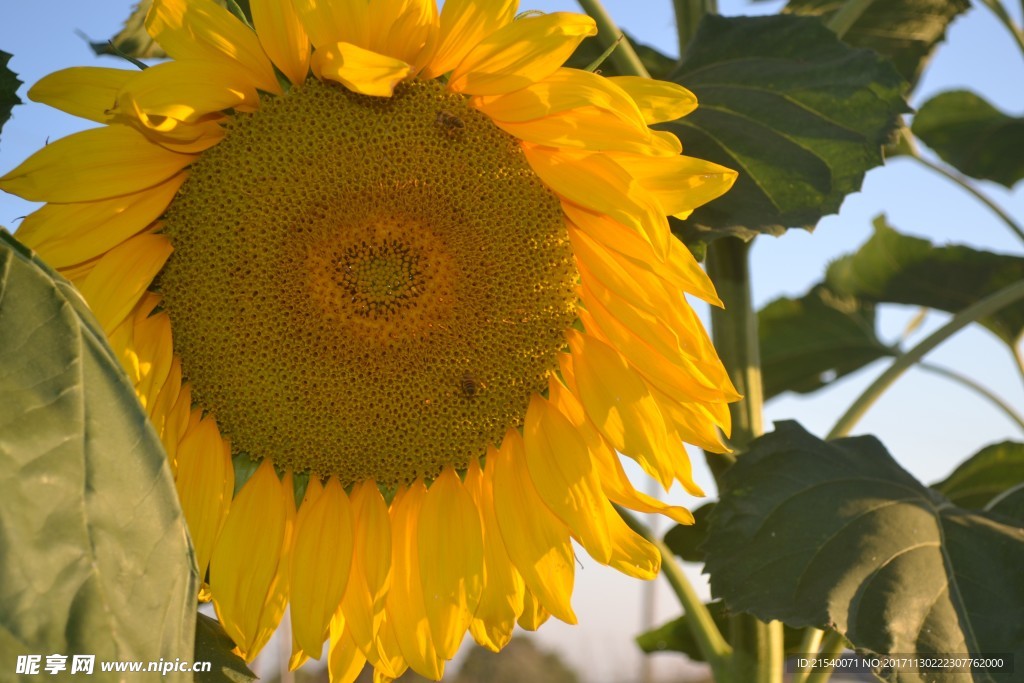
905 31
8 89
973 136
895 268
657 64
838 534
214 645
811 341
94 554
676 636
133 40
799 114
989 473
685 539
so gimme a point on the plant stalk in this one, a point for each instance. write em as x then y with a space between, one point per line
809 645
973 313
624 58
757 646
688 15
832 646
712 645
847 15
1006 20
1013 225
977 388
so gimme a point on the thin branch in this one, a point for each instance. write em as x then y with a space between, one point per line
972 313
832 646
625 57
809 645
977 388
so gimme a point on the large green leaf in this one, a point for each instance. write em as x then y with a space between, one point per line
799 114
972 135
94 554
133 41
811 341
676 636
905 31
214 645
685 539
8 88
989 473
838 534
895 268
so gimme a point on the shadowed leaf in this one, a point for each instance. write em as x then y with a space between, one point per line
8 88
811 341
799 114
973 136
685 539
838 534
215 646
905 31
989 473
94 555
895 268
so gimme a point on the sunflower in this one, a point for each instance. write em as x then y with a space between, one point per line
395 289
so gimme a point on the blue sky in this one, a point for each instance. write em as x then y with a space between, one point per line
927 423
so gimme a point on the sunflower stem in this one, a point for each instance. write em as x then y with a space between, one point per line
688 16
831 647
847 15
963 182
758 650
809 644
712 645
624 58
973 313
979 389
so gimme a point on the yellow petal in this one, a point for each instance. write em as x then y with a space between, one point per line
501 602
405 606
344 659
521 53
451 561
632 554
680 184
463 24
564 476
163 406
93 164
66 234
202 30
176 426
658 100
536 540
618 402
249 568
403 29
358 69
205 481
122 276
534 614
321 558
153 345
186 91
613 477
587 128
332 21
564 90
386 657
696 422
596 182
370 576
85 91
282 36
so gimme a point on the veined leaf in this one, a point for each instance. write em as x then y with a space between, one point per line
973 136
838 535
811 341
895 268
94 554
214 645
801 116
988 474
905 31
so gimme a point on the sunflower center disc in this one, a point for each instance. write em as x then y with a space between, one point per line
366 287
